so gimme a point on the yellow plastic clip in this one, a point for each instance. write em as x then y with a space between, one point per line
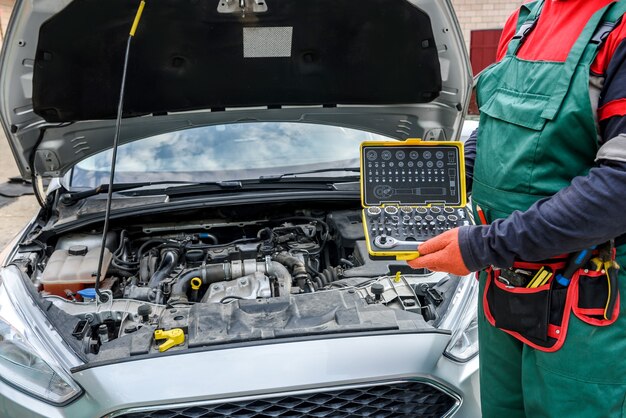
133 29
398 277
174 337
196 282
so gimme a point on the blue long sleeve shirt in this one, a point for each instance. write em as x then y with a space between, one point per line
590 211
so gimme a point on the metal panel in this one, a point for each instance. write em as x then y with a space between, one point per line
483 51
483 48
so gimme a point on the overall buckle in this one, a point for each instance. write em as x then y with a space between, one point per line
603 32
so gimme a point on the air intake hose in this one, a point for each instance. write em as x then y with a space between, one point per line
169 260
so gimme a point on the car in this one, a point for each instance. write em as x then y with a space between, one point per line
224 272
469 126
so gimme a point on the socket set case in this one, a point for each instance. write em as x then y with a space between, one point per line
411 191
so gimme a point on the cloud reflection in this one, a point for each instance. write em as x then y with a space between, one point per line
235 151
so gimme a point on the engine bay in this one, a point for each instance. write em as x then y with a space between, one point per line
238 275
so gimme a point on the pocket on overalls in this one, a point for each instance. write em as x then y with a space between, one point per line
512 121
592 296
536 316
518 108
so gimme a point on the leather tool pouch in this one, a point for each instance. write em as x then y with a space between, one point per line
539 316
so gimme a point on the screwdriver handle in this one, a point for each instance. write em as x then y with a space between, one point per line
574 263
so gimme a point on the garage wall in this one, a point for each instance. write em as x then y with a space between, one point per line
483 14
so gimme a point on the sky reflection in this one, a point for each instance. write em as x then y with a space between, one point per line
225 152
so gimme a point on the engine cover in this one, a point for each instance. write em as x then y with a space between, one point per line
252 286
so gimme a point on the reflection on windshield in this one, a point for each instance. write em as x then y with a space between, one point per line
227 152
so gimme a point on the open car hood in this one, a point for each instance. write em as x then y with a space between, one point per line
393 67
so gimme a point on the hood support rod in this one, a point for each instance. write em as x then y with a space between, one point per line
101 297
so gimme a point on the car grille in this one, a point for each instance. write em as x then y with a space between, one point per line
402 399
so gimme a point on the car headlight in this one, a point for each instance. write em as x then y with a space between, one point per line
462 320
26 359
8 249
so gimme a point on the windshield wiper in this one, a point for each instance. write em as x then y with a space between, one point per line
179 188
73 197
248 185
321 170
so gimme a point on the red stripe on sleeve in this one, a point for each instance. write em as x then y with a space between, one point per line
606 51
613 108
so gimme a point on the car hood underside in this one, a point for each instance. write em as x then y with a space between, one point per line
188 55
396 68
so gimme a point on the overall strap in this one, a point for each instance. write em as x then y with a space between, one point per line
583 52
528 16
611 20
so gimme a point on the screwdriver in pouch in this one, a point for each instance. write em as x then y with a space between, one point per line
574 263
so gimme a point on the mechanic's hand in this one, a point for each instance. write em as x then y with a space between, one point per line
441 253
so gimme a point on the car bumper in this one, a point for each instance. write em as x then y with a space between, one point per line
285 370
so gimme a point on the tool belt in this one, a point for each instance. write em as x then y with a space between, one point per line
529 303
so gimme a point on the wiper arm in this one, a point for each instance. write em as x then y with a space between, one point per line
179 188
73 197
249 185
321 170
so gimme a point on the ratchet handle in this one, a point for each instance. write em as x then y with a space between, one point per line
407 256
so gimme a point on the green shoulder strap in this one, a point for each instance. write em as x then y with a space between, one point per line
584 52
526 21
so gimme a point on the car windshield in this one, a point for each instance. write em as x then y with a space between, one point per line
227 152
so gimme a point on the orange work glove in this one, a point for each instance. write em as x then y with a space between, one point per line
441 253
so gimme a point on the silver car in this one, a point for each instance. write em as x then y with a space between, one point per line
230 276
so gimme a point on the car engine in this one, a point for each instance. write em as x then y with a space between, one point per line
230 279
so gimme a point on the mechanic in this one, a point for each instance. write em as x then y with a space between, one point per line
548 167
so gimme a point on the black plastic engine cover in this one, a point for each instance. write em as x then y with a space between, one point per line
298 315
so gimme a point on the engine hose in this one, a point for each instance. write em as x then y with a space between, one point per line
169 260
212 273
288 259
115 263
323 278
144 270
346 262
327 276
318 282
207 235
125 264
330 275
300 273
146 244
119 272
282 275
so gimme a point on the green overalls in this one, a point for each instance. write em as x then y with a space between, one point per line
537 132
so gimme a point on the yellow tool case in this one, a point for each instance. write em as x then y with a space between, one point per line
411 191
